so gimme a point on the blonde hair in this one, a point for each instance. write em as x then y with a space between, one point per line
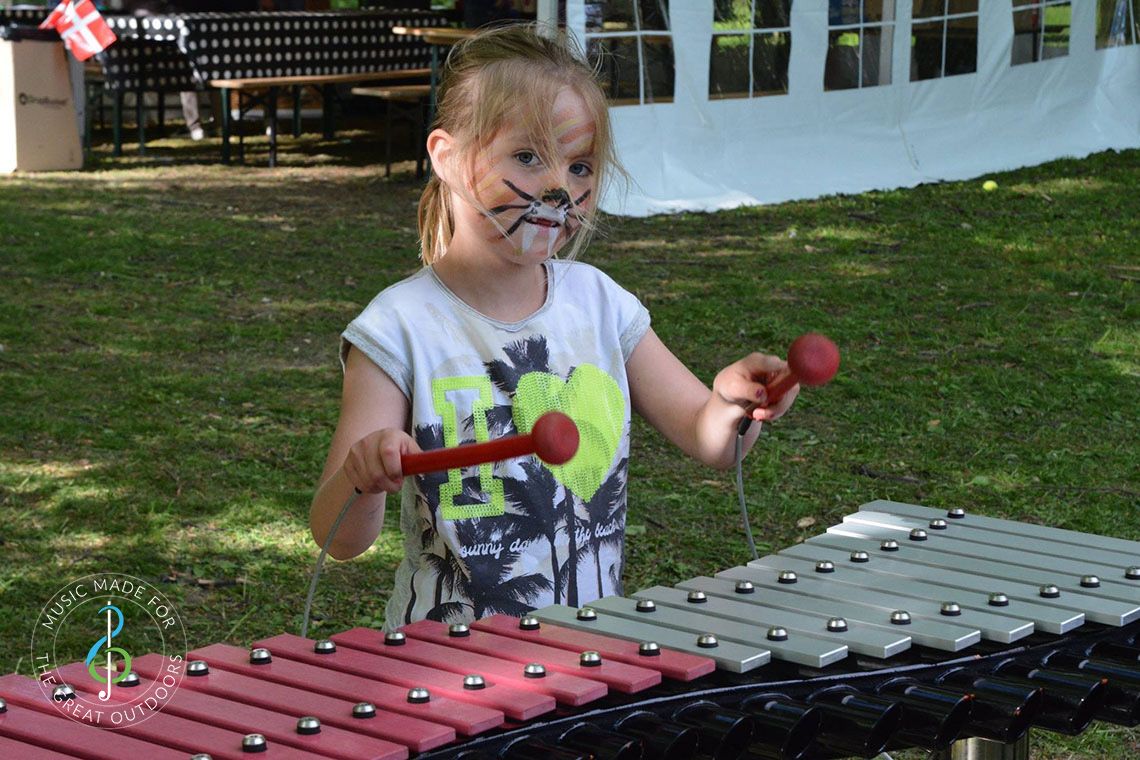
502 73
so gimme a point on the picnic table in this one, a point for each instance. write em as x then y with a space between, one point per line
257 55
436 37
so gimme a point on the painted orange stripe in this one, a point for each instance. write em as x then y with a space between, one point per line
573 133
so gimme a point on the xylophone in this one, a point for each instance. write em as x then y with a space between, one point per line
901 626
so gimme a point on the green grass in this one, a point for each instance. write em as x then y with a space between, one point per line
169 375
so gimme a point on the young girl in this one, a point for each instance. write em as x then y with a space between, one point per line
495 331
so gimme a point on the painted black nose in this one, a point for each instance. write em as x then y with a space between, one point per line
557 197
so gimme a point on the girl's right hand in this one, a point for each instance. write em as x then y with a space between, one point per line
373 462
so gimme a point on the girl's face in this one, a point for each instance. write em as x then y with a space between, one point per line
536 208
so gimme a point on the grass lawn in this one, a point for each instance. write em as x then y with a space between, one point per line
169 374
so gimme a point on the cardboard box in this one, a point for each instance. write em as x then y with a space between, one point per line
37 114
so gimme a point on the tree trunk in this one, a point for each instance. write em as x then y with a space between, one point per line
555 572
598 566
572 572
411 601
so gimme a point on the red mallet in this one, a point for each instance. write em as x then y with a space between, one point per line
554 438
812 360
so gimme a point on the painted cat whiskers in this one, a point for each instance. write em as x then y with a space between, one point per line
549 214
550 211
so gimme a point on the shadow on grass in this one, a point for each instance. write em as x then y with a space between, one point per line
357 141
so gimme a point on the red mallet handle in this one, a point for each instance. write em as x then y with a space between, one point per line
554 439
812 360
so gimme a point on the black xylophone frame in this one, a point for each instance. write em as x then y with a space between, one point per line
860 708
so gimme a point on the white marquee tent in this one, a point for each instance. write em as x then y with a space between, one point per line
721 103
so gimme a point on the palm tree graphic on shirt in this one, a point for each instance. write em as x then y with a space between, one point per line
538 507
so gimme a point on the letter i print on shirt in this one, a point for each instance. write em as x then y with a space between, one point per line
491 487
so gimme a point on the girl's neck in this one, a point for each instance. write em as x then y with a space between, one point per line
496 288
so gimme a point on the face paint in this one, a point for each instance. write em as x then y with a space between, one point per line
549 214
575 134
490 182
527 198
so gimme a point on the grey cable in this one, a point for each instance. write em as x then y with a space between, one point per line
321 561
740 490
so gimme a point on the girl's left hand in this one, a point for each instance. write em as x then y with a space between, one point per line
742 384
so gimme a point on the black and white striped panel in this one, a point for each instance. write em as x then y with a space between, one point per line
23 16
251 45
137 61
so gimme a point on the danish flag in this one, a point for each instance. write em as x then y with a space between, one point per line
82 29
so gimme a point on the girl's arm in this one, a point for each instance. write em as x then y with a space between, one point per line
702 422
365 453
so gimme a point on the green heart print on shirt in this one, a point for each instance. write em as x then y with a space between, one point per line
596 404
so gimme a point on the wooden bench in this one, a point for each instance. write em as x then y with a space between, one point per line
415 98
264 91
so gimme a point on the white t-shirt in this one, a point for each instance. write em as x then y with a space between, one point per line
496 538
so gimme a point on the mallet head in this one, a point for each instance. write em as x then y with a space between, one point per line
555 438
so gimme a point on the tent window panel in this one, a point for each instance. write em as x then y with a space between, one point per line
926 50
632 48
878 11
732 15
610 16
1026 31
653 15
1117 23
618 67
657 57
746 15
770 56
876 55
772 14
859 44
751 47
961 6
1040 30
929 8
841 71
944 38
935 8
841 12
1057 23
728 66
961 46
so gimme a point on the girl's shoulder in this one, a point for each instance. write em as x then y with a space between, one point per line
414 286
577 274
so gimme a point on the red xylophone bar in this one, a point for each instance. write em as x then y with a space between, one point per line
566 689
206 709
30 717
466 719
671 663
628 679
515 703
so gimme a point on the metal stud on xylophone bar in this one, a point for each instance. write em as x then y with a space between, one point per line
901 626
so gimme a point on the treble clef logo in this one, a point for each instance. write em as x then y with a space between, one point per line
92 653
